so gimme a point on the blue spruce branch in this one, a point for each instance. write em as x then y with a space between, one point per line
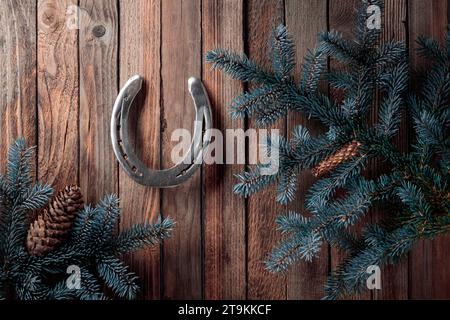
93 244
417 188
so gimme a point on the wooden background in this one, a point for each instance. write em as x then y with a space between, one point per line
57 89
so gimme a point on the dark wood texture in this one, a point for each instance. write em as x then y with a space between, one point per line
17 74
394 278
305 19
262 18
341 18
140 53
225 273
181 58
429 260
59 77
58 94
99 35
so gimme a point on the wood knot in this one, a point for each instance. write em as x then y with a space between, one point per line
99 31
48 17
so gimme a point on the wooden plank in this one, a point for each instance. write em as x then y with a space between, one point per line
304 20
140 42
17 74
181 59
224 212
394 277
98 89
58 94
263 17
429 261
342 18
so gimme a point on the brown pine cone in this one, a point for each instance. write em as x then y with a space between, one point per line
345 154
54 224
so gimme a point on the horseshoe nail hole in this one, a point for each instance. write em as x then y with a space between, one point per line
119 127
134 169
126 157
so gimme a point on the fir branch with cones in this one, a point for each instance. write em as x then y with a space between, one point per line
418 185
34 258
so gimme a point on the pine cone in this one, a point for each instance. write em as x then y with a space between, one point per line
54 224
345 154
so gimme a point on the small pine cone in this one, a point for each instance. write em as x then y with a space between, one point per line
345 154
54 224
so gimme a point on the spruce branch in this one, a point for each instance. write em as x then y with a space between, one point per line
37 197
143 235
416 190
34 258
334 44
390 116
18 169
313 67
238 66
118 278
283 51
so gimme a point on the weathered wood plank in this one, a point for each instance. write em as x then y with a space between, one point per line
98 88
429 261
304 20
394 277
181 59
263 17
342 18
66 100
58 94
140 43
17 74
224 212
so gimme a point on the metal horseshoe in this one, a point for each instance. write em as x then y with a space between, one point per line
129 161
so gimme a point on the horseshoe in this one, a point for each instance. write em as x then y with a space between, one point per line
129 161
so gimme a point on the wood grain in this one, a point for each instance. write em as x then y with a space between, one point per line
181 59
342 18
304 20
17 75
225 273
58 94
263 17
394 277
140 43
99 25
429 261
58 83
